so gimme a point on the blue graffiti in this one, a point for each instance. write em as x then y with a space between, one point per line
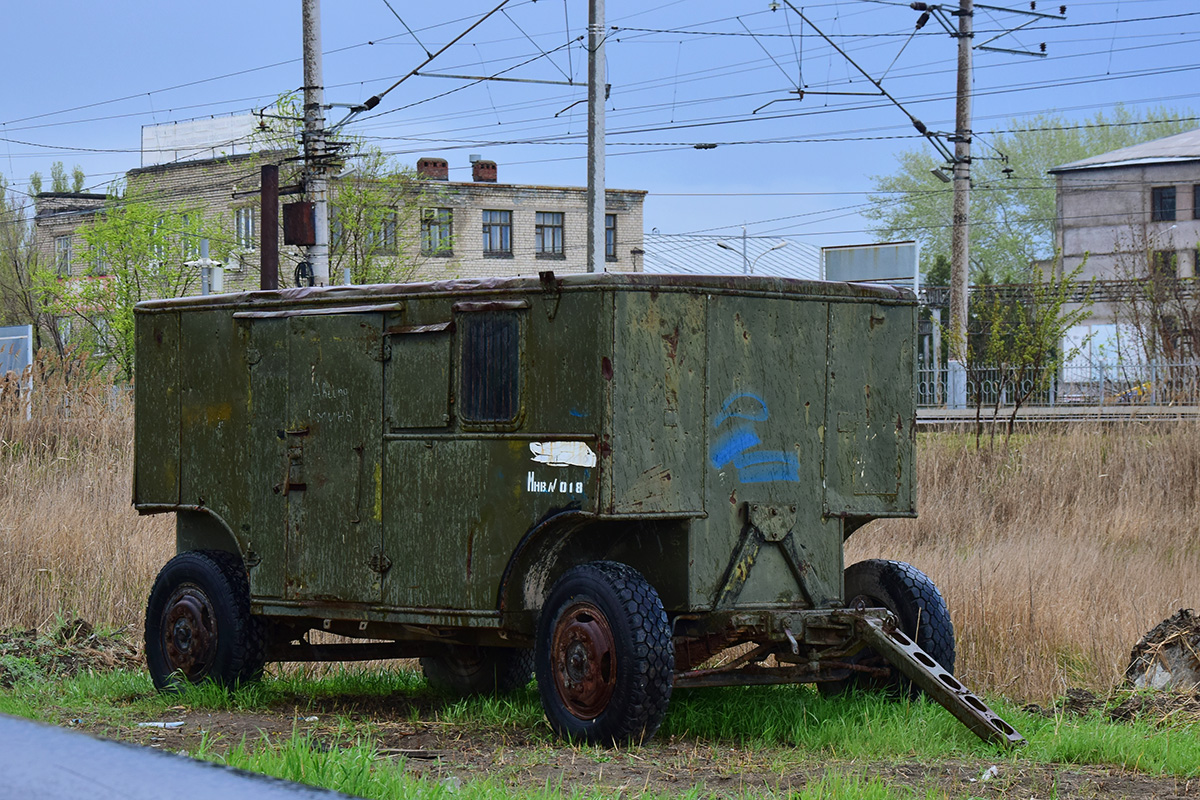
734 445
759 414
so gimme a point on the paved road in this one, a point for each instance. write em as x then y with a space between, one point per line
41 762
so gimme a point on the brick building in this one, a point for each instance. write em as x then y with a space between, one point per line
469 229
1119 208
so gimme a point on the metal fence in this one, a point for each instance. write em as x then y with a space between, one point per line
1096 384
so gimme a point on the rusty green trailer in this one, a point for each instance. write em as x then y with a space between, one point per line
619 475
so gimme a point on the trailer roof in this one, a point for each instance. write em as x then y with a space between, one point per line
375 293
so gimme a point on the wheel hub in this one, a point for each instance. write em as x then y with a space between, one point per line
583 656
189 632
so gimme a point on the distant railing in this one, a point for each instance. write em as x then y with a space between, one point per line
1097 384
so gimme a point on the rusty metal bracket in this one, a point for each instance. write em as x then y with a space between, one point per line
925 672
774 522
552 288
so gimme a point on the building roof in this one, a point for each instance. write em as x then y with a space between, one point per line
1168 150
692 254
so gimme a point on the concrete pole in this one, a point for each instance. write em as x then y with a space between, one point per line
745 261
314 142
960 246
595 156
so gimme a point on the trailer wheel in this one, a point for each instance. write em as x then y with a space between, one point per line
198 623
918 605
604 655
465 671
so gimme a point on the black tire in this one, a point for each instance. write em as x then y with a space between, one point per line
604 655
198 623
918 605
466 671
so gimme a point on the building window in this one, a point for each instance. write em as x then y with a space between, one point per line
1162 203
1164 264
99 261
62 255
610 237
189 245
436 230
158 236
383 238
1196 202
244 228
497 233
548 234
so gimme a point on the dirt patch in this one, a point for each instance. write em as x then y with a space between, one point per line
1162 708
522 759
71 648
406 729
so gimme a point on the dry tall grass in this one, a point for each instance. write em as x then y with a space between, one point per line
70 543
1055 554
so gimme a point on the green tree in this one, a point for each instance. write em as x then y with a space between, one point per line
1016 347
22 302
136 249
1012 213
59 182
374 220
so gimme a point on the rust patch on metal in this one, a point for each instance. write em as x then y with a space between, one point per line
189 632
672 342
648 487
583 658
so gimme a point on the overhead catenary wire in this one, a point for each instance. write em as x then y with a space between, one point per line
644 142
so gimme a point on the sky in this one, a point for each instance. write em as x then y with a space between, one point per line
84 77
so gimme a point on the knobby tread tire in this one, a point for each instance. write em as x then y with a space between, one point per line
918 605
467 671
646 654
241 646
934 631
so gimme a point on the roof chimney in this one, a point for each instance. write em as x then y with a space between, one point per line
483 171
434 169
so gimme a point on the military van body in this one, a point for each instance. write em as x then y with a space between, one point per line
616 477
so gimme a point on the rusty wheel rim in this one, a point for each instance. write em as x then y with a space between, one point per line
584 660
189 632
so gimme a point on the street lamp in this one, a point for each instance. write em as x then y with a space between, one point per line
733 249
748 266
764 252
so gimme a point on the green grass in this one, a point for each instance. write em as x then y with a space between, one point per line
790 728
357 768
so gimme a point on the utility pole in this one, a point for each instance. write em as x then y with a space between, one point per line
745 260
315 183
960 240
595 156
960 244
